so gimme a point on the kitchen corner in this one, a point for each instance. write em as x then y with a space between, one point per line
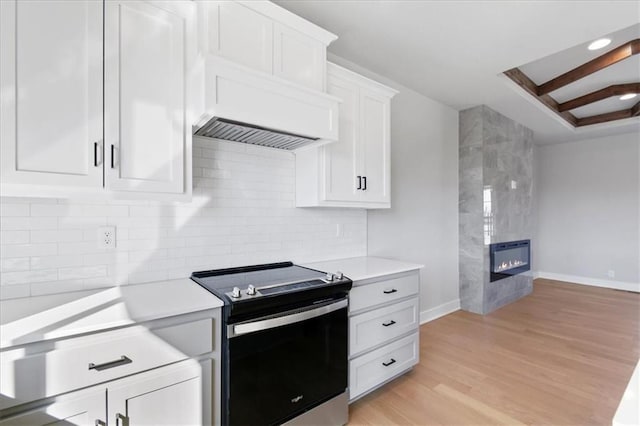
285 212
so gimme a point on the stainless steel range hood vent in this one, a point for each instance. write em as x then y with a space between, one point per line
235 131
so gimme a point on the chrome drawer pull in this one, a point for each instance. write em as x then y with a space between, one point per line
125 419
393 290
386 364
387 324
117 363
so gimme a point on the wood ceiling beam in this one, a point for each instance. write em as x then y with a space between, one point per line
610 116
521 79
611 57
598 95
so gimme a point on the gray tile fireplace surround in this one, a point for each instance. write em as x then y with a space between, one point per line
495 204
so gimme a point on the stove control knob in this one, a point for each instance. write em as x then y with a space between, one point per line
235 293
329 276
251 290
339 275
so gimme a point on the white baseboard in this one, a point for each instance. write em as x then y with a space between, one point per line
439 311
595 282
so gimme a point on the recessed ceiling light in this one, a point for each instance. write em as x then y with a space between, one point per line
599 44
628 96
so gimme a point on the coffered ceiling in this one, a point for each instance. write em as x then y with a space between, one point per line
456 52
594 87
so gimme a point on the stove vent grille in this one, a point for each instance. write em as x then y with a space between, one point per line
221 128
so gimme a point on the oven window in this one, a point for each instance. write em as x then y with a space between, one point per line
278 373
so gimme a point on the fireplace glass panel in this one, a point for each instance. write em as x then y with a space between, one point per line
509 258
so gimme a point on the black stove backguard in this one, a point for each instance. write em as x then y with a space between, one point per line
509 258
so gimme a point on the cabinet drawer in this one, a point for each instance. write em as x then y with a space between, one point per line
370 370
366 296
42 370
375 327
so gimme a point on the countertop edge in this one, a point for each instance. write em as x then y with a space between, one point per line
29 320
365 267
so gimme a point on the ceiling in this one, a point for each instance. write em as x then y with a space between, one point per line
456 51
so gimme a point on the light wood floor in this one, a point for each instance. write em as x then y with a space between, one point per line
560 356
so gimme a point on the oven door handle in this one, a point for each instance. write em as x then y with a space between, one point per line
235 330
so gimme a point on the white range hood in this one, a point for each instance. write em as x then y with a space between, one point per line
252 107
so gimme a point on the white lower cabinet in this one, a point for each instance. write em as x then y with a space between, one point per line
166 396
384 320
169 396
157 373
84 407
374 368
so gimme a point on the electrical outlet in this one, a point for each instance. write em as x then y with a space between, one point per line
611 273
107 237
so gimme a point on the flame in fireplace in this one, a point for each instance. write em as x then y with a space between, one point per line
509 265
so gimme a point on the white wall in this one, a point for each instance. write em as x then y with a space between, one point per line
242 213
588 211
422 224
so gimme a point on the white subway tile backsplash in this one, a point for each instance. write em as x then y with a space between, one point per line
16 291
49 236
25 277
49 210
60 261
50 287
14 237
242 212
8 209
14 264
23 250
11 223
82 272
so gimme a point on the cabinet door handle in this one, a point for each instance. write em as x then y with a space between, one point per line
364 178
391 361
387 324
359 182
116 363
393 290
113 149
95 154
100 423
125 419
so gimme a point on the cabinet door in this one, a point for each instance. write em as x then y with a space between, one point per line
340 160
145 104
85 408
165 396
240 34
375 145
51 92
298 57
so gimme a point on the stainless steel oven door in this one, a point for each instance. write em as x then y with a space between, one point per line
283 365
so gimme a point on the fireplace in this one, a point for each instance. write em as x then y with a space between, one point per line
510 258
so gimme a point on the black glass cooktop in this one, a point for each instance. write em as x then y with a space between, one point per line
222 281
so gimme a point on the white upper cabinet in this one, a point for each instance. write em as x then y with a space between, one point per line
265 37
355 171
51 85
145 103
298 57
240 34
56 64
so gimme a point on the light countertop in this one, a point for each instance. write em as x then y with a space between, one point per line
54 316
363 268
